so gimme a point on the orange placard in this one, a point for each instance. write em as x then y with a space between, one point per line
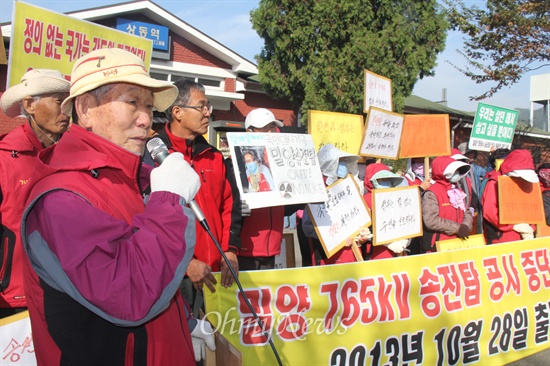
425 135
519 201
543 230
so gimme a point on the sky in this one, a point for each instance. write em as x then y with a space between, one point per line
228 22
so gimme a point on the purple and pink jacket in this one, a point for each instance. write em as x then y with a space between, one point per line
103 268
18 151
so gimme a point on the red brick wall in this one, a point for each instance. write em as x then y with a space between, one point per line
281 109
185 51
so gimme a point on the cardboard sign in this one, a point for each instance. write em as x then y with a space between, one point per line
425 135
377 92
493 127
397 214
519 201
473 241
543 230
342 216
45 39
343 130
286 168
382 134
17 347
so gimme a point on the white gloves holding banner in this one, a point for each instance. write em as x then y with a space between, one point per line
202 337
525 230
398 246
176 175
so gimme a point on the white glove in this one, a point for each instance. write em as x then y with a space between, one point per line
526 236
398 246
245 209
176 175
523 228
364 235
202 337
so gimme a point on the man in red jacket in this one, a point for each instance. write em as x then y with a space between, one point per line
38 98
218 198
102 267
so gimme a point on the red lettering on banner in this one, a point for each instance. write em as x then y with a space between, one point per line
260 299
367 295
429 287
33 36
402 291
499 284
292 303
351 308
451 288
99 43
536 267
331 289
292 327
472 285
76 45
54 41
386 307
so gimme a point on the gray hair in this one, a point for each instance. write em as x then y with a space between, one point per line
97 93
185 88
23 110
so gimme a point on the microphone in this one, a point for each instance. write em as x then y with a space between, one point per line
159 151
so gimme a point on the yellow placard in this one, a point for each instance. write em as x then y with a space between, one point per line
48 40
479 306
473 241
343 130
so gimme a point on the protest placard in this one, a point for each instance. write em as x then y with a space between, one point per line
396 214
343 130
543 230
382 134
274 169
16 346
425 135
478 306
45 39
473 241
519 201
493 127
342 216
378 91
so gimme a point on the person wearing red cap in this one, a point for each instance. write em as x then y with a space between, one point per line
445 214
519 163
37 98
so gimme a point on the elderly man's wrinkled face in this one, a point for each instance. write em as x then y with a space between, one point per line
122 115
46 111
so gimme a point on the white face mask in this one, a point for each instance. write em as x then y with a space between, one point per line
455 178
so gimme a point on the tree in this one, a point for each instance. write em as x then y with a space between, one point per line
315 51
505 40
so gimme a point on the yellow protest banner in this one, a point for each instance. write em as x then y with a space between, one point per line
519 201
480 306
473 241
343 130
48 40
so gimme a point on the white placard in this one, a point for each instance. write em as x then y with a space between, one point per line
397 214
288 172
16 344
382 134
377 92
342 216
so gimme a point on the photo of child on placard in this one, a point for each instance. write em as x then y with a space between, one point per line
254 167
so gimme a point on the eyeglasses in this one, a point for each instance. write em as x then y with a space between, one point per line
207 108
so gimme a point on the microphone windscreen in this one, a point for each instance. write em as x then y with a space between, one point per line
158 150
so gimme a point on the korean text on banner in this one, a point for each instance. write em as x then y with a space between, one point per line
343 215
382 134
519 201
274 169
378 92
480 306
493 127
343 130
48 40
396 214
425 135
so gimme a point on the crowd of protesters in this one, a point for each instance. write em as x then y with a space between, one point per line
97 236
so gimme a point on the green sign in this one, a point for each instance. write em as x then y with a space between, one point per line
493 127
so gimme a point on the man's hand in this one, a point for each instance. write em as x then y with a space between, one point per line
425 185
227 278
201 274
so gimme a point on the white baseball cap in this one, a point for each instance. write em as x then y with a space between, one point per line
259 118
